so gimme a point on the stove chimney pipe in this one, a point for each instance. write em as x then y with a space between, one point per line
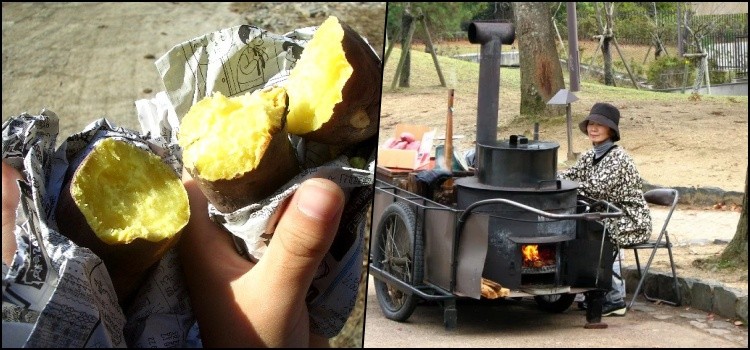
491 36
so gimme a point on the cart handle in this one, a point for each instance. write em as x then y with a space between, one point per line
589 216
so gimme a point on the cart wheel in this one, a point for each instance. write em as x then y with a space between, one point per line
398 251
555 302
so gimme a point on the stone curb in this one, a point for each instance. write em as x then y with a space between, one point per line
709 296
703 196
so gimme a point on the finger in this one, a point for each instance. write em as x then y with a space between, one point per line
11 198
302 237
206 248
211 263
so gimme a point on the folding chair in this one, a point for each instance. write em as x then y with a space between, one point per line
665 197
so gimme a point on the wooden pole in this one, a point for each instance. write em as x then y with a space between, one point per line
596 52
431 47
574 65
449 134
645 58
388 51
705 69
627 68
569 120
404 51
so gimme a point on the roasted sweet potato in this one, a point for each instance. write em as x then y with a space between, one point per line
237 149
127 206
334 90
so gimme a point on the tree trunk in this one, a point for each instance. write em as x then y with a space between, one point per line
736 250
607 56
608 33
541 71
406 22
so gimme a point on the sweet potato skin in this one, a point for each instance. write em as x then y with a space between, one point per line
355 118
128 264
277 166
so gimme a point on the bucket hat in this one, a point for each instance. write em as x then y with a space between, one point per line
605 114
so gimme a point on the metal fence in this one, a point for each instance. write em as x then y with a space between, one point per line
729 55
644 38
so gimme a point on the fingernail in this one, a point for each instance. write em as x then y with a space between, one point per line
320 199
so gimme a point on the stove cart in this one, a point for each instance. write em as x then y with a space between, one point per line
513 228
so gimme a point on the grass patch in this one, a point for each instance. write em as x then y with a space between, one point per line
521 120
463 76
719 264
458 74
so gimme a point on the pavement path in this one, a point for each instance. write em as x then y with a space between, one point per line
520 324
690 227
512 323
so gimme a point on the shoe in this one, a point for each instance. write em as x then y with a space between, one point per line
614 309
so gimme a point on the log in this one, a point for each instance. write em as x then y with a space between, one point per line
493 290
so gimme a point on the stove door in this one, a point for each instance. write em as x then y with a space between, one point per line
503 263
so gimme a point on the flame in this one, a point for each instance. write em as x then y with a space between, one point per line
530 252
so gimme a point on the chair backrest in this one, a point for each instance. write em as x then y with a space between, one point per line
665 197
662 196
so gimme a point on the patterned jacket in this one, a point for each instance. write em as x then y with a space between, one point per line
615 179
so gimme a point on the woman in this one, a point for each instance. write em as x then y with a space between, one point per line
606 172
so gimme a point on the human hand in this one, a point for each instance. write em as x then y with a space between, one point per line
239 303
11 198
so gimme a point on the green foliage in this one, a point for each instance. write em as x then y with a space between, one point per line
636 68
635 21
442 18
669 72
719 76
501 11
635 25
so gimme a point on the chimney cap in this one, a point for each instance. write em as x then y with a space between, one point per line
562 97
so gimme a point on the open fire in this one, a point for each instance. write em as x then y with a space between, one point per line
538 257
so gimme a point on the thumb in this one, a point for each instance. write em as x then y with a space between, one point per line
302 237
11 199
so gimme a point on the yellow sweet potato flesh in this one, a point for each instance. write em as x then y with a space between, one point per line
315 84
126 193
223 138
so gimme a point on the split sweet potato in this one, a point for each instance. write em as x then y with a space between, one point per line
334 90
127 206
237 149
